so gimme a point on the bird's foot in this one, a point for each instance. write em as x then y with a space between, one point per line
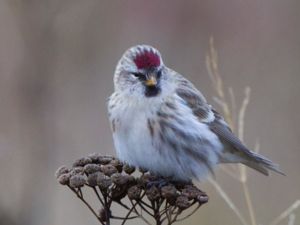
160 182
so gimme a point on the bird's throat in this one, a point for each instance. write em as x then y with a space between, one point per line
152 91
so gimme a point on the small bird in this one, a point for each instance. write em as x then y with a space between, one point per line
162 123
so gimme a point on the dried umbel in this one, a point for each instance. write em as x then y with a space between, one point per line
144 196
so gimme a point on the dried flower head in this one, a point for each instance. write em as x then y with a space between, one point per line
112 182
64 179
92 168
92 179
61 170
128 169
169 192
182 202
117 164
109 169
153 193
103 181
134 192
82 161
77 181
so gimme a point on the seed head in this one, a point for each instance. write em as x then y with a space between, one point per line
64 178
182 202
82 161
117 164
92 168
128 169
77 181
61 170
103 181
109 169
153 193
134 192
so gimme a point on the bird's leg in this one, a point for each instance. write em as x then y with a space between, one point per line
159 182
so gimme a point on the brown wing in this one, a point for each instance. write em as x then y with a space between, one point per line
249 158
195 100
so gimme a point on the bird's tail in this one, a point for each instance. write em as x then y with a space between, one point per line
261 164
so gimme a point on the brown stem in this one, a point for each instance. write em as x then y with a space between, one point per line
106 209
128 214
87 204
98 196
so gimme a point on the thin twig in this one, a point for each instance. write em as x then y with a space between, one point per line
185 217
233 106
229 170
242 112
257 146
228 201
129 212
146 204
123 218
145 209
292 219
87 204
106 208
243 172
122 204
98 196
140 216
286 213
249 203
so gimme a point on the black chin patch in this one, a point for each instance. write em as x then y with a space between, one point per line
152 91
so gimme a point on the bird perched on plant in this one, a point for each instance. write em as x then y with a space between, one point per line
162 123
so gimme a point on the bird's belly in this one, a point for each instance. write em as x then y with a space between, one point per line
185 149
134 143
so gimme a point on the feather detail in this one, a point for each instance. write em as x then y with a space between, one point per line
238 151
194 99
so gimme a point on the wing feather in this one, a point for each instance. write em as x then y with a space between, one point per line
248 157
206 114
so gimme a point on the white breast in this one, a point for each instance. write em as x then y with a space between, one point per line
134 144
132 137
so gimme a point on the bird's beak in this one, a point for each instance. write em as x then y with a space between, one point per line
151 81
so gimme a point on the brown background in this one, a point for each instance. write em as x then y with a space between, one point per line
57 60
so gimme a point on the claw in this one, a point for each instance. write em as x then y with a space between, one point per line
161 182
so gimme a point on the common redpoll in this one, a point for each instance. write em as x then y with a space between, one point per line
162 123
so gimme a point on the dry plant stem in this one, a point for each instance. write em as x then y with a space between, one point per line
213 71
243 172
231 171
212 66
139 214
157 215
129 212
249 203
286 213
146 210
292 219
242 113
87 204
241 125
98 196
183 218
107 204
228 200
233 105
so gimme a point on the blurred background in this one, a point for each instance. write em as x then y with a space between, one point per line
57 60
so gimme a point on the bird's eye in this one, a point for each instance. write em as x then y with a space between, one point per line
136 74
139 75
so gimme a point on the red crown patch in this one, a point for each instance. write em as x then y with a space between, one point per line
147 59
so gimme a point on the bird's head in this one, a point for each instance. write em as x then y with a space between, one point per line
140 71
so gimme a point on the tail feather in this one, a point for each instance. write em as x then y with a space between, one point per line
261 164
257 167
